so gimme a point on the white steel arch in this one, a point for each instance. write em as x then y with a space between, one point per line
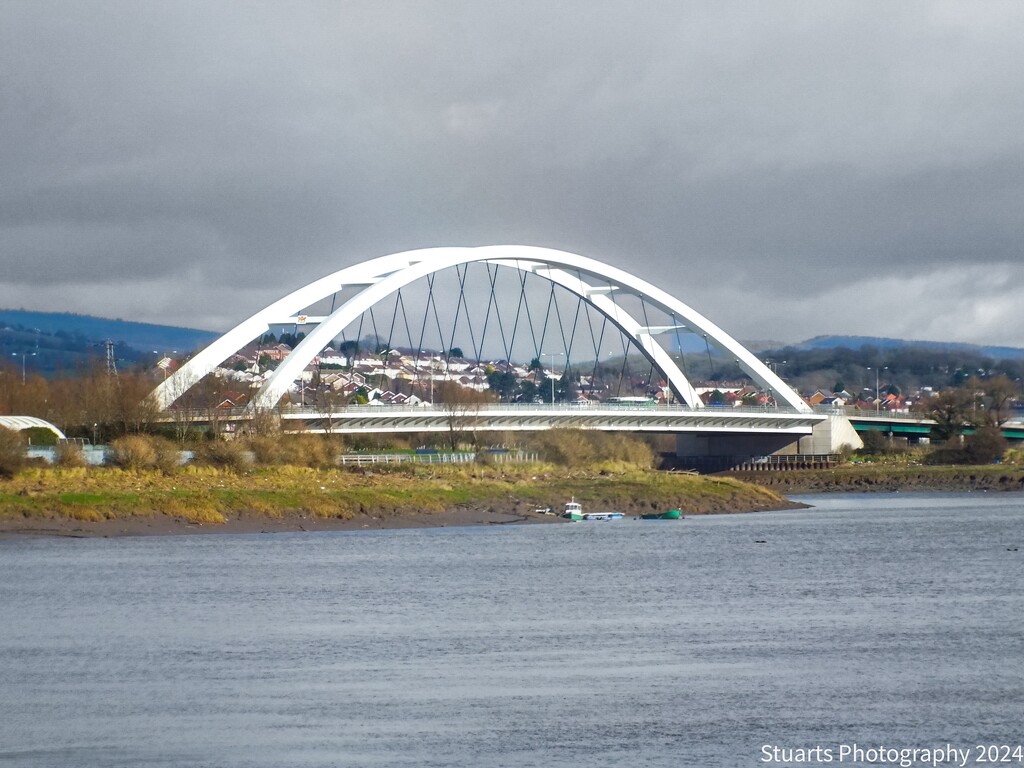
380 277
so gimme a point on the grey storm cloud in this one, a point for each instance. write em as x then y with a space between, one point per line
789 169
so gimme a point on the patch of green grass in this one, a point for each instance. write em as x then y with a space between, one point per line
82 499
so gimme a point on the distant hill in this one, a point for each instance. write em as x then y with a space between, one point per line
49 342
54 341
858 342
145 337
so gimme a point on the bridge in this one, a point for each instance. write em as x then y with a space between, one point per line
507 303
532 417
913 427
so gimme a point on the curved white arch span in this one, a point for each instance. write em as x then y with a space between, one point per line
383 276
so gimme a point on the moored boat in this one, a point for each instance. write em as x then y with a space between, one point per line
573 510
603 515
672 514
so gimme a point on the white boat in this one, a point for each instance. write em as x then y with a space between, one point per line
603 515
574 511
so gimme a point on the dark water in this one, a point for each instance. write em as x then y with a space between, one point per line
892 620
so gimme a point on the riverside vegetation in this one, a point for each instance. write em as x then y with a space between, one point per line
296 477
280 478
982 461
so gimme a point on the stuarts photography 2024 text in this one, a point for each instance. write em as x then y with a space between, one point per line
905 757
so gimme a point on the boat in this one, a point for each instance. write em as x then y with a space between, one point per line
603 515
573 510
672 514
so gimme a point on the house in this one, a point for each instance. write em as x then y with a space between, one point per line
330 356
278 352
818 398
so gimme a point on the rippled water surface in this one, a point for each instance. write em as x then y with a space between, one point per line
881 619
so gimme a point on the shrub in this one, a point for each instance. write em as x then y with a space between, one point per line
564 447
316 451
138 452
266 450
225 454
875 443
69 455
12 452
983 447
578 448
134 452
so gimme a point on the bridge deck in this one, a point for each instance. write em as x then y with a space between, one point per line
497 417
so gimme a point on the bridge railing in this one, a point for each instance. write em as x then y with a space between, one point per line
296 410
852 412
312 412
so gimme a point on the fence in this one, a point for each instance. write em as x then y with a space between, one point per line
460 457
708 464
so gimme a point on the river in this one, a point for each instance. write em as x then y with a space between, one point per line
890 620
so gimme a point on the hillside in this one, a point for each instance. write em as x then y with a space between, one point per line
860 364
887 344
48 342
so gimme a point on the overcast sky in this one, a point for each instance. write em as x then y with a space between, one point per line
788 169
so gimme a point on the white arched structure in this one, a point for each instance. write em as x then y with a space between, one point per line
380 277
18 423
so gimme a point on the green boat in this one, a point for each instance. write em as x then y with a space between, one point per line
672 514
573 510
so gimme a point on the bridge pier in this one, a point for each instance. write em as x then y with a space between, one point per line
693 444
710 451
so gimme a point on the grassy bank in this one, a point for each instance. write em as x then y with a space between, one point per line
212 496
891 477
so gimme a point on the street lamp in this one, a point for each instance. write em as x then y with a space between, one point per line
552 356
877 400
23 356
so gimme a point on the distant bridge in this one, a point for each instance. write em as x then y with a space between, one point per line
600 297
913 427
640 311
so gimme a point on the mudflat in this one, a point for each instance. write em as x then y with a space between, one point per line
158 524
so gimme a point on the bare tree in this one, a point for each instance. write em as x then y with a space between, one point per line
1000 392
136 409
461 407
263 422
185 411
327 401
951 410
